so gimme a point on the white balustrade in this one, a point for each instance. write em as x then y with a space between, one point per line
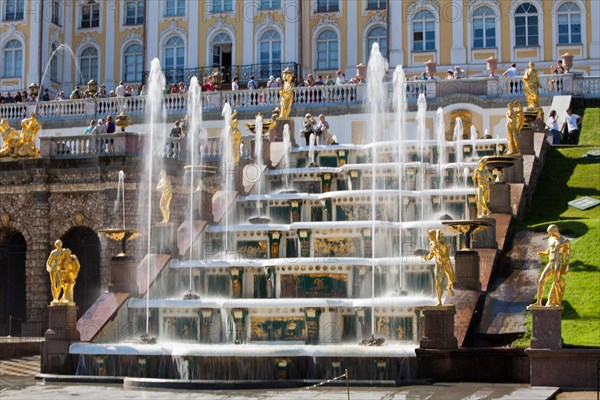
13 111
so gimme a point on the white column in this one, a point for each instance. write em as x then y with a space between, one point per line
248 13
353 40
152 45
32 13
192 40
291 13
396 24
111 47
595 43
458 53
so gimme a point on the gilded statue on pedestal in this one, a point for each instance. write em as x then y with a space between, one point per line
515 121
164 184
20 144
531 86
481 179
559 256
63 267
439 249
10 139
236 137
287 94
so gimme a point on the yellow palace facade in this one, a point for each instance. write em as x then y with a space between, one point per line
114 40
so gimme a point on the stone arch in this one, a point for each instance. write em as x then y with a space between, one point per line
13 285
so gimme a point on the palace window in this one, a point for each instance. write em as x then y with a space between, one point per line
132 64
54 63
13 59
134 12
14 10
90 15
174 8
376 4
424 31
270 4
484 28
270 47
174 53
56 12
222 6
327 50
222 46
526 25
377 35
88 64
328 5
569 23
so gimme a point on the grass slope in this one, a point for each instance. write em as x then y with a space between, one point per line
567 176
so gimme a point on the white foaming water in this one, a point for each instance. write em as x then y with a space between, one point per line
59 49
287 150
474 135
258 155
311 149
458 136
121 195
228 166
440 133
154 146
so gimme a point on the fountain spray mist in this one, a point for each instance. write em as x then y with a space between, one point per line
400 106
258 156
228 167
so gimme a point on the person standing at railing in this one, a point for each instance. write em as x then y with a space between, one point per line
110 125
89 129
512 72
322 131
252 85
459 73
46 95
120 90
572 121
557 82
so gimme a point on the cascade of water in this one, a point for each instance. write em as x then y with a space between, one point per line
376 100
196 141
258 155
421 127
287 150
60 48
311 150
473 132
121 195
228 166
440 129
154 146
458 132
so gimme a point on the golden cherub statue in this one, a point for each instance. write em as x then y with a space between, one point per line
559 256
29 130
236 136
286 94
481 179
164 184
531 86
10 139
515 121
439 249
63 267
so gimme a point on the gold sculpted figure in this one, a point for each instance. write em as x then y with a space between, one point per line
481 179
63 267
531 86
20 144
559 255
515 121
10 139
236 137
287 94
439 249
167 195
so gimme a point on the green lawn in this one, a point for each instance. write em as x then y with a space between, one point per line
567 176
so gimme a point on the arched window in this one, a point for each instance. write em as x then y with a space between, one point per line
174 53
484 28
424 31
327 50
54 63
270 47
526 25
569 23
132 63
88 63
13 59
222 49
377 35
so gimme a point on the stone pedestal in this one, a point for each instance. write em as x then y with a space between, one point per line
164 239
500 198
123 275
546 327
514 174
62 331
486 238
279 130
525 141
439 328
466 270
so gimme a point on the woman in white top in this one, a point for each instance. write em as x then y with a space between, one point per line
553 126
322 131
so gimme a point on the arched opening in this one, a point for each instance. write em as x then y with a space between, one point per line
84 243
13 307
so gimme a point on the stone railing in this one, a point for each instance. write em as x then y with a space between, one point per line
266 100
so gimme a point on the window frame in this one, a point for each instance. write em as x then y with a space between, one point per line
486 19
328 42
325 6
176 55
271 41
379 5
138 16
89 59
224 6
19 10
569 15
93 21
526 15
54 64
16 63
269 5
368 39
424 21
56 13
137 64
179 9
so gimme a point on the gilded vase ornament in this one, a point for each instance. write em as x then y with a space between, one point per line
481 179
515 120
164 184
559 256
63 267
236 137
286 94
531 87
439 249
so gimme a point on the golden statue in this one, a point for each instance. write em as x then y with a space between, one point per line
481 179
20 144
10 139
439 249
164 184
286 94
515 121
559 255
236 136
63 267
531 87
